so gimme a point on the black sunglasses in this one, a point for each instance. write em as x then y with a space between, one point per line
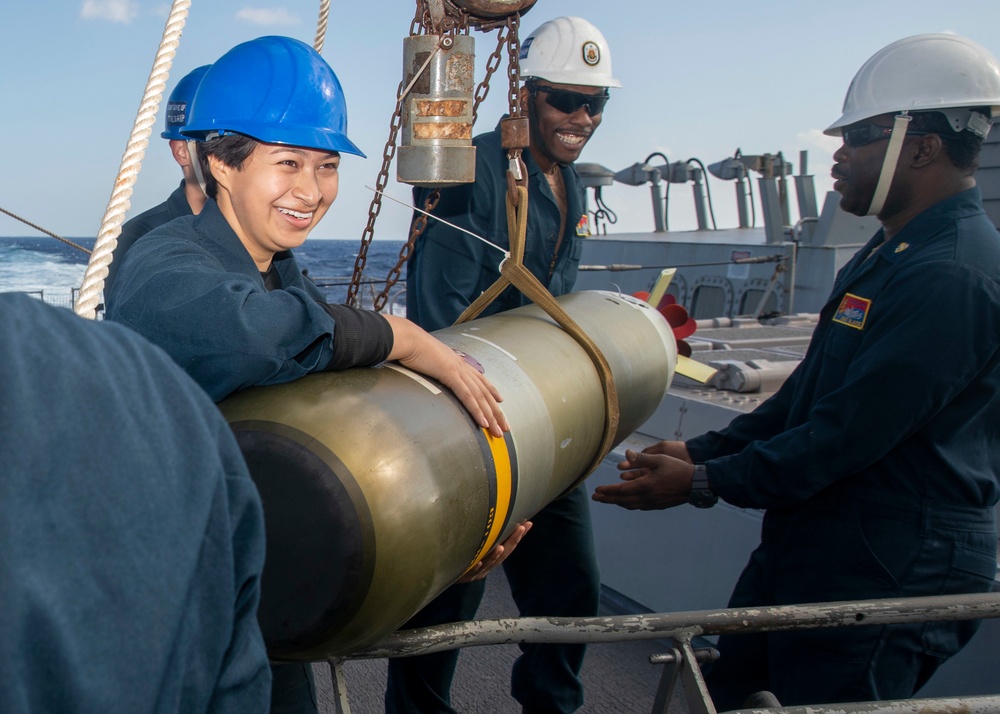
568 102
863 134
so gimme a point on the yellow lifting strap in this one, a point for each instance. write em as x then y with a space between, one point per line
513 272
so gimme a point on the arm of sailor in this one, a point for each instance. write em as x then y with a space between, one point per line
496 556
650 481
892 401
421 352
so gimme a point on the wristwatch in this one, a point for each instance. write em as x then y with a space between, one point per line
701 495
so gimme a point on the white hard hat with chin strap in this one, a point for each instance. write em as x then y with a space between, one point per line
923 73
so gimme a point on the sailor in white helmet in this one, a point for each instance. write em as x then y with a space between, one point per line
567 69
876 461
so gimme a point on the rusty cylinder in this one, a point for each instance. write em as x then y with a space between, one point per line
436 149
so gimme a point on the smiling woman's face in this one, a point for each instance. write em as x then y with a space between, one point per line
277 197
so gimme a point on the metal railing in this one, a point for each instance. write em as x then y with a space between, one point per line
682 662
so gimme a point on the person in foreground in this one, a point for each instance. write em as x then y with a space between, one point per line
222 292
188 198
876 461
567 67
133 537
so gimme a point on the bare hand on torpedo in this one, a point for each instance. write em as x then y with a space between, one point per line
496 556
420 351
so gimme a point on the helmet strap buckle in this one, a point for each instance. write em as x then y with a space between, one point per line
979 124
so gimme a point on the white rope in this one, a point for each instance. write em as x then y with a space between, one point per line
324 14
107 237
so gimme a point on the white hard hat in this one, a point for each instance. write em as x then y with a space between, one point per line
933 72
568 50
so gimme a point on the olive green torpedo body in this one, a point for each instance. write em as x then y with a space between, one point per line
379 490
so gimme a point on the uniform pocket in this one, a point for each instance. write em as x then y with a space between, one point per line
842 342
972 570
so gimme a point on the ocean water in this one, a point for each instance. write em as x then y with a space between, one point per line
52 270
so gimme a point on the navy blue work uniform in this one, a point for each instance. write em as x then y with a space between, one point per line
133 229
449 269
553 571
132 536
877 464
192 288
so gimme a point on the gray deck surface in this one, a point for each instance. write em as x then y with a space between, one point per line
618 676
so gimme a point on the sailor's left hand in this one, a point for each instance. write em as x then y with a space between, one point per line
650 482
496 556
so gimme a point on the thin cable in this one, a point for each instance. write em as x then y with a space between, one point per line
441 220
48 233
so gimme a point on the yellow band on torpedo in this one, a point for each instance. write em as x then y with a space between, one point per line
502 466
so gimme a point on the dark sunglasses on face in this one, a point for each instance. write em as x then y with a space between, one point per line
568 102
863 134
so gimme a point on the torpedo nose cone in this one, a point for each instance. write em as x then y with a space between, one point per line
312 508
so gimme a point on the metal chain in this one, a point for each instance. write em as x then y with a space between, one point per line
419 224
514 66
492 64
506 35
376 205
421 24
514 108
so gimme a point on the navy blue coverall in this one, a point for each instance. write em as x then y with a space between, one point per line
135 228
877 462
192 288
554 570
132 536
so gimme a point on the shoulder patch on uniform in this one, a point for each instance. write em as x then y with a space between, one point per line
583 226
853 311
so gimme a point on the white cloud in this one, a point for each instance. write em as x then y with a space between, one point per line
267 16
123 11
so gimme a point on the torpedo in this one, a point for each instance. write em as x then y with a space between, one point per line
379 490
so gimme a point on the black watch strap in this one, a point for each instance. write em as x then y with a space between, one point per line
701 495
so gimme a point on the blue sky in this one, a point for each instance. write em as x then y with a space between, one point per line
700 80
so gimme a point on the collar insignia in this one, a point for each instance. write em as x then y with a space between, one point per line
901 247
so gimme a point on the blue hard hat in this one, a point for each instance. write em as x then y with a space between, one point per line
277 90
180 99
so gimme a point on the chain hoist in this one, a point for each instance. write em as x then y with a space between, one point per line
436 110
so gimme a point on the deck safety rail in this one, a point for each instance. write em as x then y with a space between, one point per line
681 627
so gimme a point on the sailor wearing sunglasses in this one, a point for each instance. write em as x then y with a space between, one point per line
567 70
876 461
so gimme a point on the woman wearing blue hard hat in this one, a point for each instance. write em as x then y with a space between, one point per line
222 292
